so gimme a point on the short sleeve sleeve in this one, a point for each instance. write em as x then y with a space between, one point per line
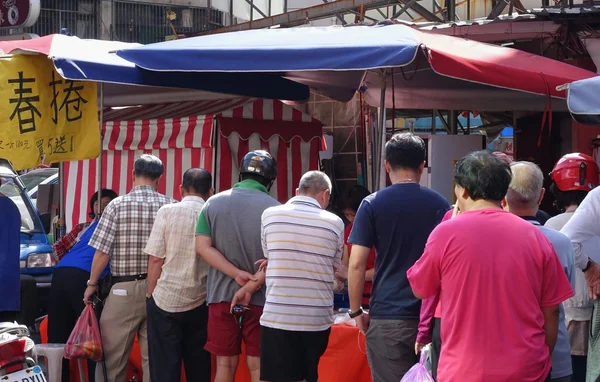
340 249
583 225
157 245
263 237
425 276
363 228
555 284
103 238
203 228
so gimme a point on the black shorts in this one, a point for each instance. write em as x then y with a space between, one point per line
287 356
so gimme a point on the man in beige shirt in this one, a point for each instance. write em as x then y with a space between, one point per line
176 307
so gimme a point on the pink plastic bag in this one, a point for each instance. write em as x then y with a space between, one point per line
418 373
85 341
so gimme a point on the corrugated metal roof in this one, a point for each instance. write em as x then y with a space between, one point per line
558 11
480 21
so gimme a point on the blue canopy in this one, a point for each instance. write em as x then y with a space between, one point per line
426 71
331 60
92 60
288 50
584 102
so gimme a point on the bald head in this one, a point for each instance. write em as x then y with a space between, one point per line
526 187
317 185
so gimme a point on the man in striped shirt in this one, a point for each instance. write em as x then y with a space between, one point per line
303 244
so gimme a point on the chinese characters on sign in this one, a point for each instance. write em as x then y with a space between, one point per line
45 118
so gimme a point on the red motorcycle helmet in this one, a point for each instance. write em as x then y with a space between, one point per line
575 172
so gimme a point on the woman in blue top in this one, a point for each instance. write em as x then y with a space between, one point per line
70 276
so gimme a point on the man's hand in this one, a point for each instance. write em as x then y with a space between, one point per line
362 322
419 347
592 276
241 297
243 277
262 265
90 291
341 273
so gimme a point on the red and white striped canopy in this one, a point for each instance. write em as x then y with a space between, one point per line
292 137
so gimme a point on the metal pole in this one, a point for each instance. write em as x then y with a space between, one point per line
381 133
468 131
451 10
60 228
99 160
452 122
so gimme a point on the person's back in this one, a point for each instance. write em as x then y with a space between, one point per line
133 215
228 239
234 220
303 248
404 215
500 306
121 236
491 311
396 221
303 245
561 356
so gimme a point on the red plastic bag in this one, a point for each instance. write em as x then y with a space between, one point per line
85 340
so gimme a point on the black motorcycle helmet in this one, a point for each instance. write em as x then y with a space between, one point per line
261 163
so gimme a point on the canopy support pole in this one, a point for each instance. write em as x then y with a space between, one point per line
452 122
59 229
381 137
99 160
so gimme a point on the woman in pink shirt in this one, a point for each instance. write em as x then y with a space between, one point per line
501 307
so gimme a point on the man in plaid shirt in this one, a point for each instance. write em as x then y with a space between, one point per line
121 236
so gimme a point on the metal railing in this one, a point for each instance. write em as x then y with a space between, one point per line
128 21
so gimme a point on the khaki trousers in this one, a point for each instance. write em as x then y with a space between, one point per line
123 316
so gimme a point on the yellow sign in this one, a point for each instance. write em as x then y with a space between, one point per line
43 117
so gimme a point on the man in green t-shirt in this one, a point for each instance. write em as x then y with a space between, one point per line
228 238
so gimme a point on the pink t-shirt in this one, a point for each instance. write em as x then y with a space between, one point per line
494 271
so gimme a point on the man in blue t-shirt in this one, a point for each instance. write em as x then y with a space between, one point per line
397 221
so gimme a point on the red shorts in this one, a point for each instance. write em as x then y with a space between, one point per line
225 335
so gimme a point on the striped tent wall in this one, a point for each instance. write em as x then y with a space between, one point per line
294 138
180 143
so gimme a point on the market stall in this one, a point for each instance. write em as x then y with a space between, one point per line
344 360
211 135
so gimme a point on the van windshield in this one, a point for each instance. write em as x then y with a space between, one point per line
29 221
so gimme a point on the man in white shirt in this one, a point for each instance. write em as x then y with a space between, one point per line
523 198
303 245
573 176
176 305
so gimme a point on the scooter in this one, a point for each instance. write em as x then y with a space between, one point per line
16 355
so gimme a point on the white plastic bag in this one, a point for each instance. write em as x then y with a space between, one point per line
344 319
418 373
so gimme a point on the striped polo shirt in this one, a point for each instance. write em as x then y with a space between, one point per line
303 244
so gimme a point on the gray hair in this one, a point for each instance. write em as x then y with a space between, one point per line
314 182
148 166
526 184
